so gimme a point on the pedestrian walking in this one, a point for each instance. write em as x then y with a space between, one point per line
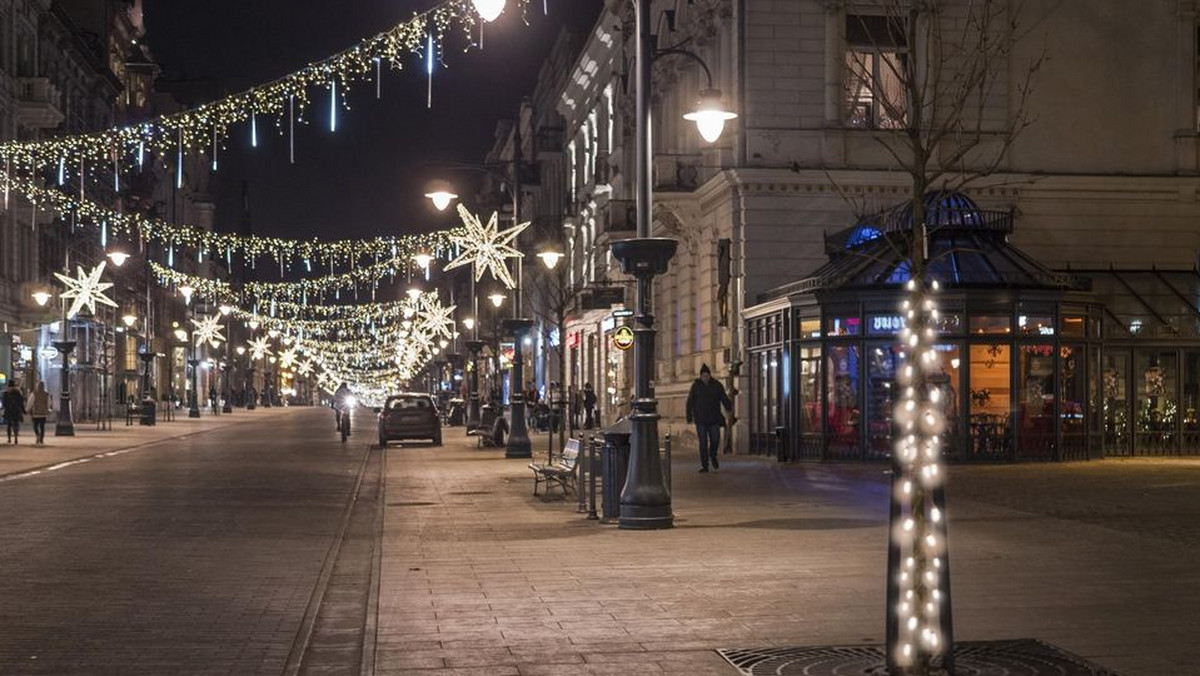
39 410
704 403
589 406
14 411
212 398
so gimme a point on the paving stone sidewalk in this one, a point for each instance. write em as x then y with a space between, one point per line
88 441
479 577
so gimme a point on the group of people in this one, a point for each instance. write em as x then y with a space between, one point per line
543 414
16 407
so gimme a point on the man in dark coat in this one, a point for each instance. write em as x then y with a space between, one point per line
704 403
14 410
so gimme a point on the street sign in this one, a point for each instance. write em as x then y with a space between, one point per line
623 312
623 338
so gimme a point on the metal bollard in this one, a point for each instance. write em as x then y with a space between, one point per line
592 516
581 467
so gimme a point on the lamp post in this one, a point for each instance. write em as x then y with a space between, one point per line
645 502
65 426
192 362
226 364
550 258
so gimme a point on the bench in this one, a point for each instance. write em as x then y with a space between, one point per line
561 473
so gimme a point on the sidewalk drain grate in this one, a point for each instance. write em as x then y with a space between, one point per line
410 504
1024 657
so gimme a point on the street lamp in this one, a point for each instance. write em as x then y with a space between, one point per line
497 299
711 114
117 257
129 319
489 10
441 195
423 259
226 309
550 258
186 292
41 297
181 335
468 323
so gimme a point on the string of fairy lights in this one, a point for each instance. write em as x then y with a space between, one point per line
323 314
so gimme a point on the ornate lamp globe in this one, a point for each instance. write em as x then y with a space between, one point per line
710 115
186 292
441 195
129 319
468 323
497 299
41 297
550 258
225 309
118 258
489 10
181 335
424 259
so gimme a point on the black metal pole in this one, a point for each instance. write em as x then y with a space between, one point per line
645 502
519 445
473 349
194 405
65 426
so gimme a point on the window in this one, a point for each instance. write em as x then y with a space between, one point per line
876 68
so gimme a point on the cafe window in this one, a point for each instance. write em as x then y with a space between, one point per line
1074 323
810 327
990 324
990 393
1035 325
843 325
1036 392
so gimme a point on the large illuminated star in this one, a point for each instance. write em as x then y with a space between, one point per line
85 290
287 357
486 246
304 368
260 347
208 330
436 320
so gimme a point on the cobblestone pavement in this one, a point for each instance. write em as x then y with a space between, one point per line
479 577
194 555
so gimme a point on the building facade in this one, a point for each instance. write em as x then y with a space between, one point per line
1101 178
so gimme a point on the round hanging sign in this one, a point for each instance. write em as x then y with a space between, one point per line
623 338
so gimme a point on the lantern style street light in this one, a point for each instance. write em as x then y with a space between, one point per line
41 297
489 10
468 323
423 259
497 299
711 114
186 292
129 319
550 258
117 257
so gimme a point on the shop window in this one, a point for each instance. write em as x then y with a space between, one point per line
1114 390
877 64
843 326
810 402
1036 402
1035 325
949 381
843 410
131 357
990 391
1073 401
1157 402
1191 401
990 324
950 323
883 360
885 324
1073 325
810 327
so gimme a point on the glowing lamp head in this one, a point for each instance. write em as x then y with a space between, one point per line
186 292
497 299
414 292
443 343
441 198
118 258
550 258
253 324
130 320
181 335
226 309
423 260
489 10
710 115
469 323
241 350
41 297
273 333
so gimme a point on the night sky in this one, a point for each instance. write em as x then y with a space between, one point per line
367 178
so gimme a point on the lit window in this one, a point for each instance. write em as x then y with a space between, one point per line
876 70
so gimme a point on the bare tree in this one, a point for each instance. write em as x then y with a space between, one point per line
936 83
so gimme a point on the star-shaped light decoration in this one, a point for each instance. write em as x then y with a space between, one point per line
260 347
304 368
85 290
486 246
435 319
287 357
208 330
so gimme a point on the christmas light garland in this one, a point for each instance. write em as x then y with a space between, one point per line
205 128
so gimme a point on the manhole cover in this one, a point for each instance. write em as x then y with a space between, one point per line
1025 657
410 504
471 493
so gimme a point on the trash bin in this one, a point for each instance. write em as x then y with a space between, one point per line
149 413
614 465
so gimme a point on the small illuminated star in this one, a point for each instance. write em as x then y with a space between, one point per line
287 357
85 290
208 330
486 246
260 347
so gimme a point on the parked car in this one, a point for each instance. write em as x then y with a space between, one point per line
409 416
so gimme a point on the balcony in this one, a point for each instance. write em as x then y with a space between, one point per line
548 143
40 104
